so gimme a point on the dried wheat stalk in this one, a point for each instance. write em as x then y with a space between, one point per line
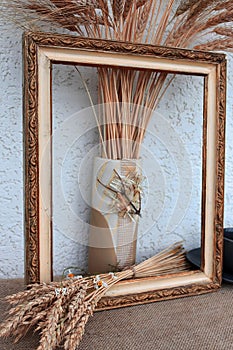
216 45
62 318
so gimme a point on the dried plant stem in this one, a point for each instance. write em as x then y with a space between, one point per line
163 23
94 112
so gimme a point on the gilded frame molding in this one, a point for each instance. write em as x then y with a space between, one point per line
40 51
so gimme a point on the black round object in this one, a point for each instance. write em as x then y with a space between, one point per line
194 256
228 251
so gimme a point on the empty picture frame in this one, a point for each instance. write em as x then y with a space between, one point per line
40 52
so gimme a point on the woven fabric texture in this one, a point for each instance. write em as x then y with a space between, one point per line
202 322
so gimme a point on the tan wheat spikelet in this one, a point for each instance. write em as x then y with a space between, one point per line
142 22
74 337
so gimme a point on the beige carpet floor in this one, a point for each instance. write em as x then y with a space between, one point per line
203 322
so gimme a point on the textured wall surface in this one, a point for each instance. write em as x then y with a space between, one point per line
171 156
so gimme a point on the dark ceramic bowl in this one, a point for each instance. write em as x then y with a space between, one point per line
228 250
194 255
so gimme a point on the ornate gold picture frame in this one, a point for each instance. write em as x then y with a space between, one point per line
40 52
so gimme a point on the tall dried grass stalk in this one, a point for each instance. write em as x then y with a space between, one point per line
61 319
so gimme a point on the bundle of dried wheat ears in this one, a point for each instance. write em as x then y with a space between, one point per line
61 310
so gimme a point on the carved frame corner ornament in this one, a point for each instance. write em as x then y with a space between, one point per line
55 48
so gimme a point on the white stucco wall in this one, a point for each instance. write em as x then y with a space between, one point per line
178 113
